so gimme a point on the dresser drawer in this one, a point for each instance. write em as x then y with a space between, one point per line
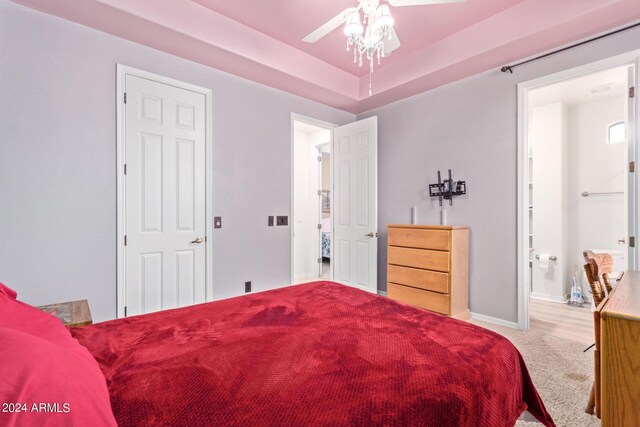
419 258
424 239
418 278
432 301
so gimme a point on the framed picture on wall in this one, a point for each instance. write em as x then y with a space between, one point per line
326 201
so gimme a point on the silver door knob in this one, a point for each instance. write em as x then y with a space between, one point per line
198 240
370 234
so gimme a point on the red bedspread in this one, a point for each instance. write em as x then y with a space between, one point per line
313 354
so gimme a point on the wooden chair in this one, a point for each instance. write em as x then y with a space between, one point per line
597 268
604 267
592 271
598 286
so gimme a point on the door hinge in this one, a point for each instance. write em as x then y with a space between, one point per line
125 240
632 166
632 242
632 92
205 239
319 192
125 168
320 158
125 311
319 260
319 226
125 97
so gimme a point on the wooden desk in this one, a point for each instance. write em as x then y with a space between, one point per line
618 351
72 313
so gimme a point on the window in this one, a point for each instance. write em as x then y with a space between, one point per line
616 133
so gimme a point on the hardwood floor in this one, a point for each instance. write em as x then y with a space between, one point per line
562 321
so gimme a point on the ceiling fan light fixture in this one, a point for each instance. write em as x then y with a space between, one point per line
371 36
353 27
383 19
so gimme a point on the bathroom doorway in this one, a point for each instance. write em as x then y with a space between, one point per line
579 193
312 228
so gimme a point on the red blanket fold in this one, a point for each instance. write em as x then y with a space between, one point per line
313 354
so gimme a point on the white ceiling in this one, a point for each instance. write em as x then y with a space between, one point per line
581 90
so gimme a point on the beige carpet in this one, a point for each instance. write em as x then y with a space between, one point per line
561 372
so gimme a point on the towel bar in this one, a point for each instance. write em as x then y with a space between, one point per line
587 193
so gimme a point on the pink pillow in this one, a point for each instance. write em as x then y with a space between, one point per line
4 289
35 371
25 318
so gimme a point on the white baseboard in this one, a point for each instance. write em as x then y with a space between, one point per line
550 298
382 293
494 320
303 277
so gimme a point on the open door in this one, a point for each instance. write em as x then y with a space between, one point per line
355 204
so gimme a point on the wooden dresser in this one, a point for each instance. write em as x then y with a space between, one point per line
617 355
428 266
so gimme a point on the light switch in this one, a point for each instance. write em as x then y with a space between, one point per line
217 222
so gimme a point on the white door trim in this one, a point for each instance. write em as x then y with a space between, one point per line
630 58
121 72
295 117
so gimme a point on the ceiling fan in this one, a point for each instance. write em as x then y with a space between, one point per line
379 22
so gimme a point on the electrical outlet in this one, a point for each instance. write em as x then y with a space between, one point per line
282 220
217 222
247 287
270 220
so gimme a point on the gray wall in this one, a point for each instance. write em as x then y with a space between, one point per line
58 164
468 126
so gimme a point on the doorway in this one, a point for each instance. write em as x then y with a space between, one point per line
335 227
163 189
577 191
312 216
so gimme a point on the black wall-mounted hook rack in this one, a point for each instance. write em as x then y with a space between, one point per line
447 189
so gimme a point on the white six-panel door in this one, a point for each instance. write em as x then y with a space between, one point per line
164 196
354 245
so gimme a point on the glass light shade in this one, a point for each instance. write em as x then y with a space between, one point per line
370 38
383 18
353 27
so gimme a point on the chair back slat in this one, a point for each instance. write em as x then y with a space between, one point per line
591 270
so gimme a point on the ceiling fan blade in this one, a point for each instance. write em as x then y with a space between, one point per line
397 3
328 26
391 45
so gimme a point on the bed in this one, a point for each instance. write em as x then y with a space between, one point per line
326 237
314 354
326 244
